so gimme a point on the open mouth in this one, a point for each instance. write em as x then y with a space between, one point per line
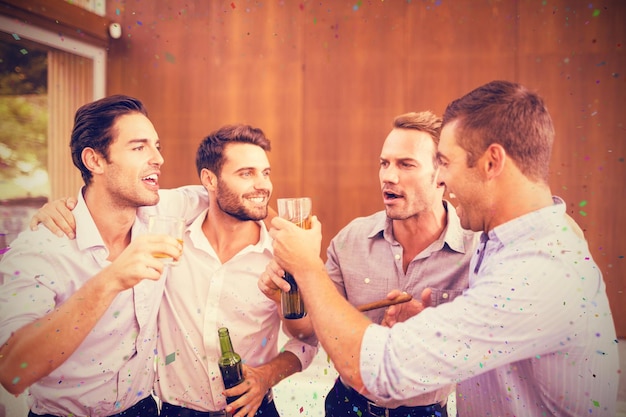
257 199
152 180
388 195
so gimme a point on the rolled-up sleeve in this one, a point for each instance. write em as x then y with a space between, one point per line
373 348
305 349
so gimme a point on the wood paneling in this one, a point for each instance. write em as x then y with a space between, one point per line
325 79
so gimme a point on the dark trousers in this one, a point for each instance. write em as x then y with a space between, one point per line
266 409
144 408
343 401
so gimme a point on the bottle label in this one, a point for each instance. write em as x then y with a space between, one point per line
232 374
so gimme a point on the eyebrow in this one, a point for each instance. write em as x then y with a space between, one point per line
253 169
138 140
402 159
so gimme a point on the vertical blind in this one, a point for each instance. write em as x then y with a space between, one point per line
70 85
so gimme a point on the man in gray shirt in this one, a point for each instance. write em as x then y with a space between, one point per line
415 244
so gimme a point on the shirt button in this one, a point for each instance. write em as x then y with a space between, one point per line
397 257
367 280
444 295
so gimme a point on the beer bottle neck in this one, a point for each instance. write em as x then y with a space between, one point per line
225 343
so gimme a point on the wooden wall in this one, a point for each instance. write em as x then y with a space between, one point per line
324 80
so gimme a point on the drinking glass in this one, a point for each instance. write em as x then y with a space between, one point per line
297 211
166 225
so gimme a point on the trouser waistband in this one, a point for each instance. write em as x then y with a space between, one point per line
171 410
144 408
368 408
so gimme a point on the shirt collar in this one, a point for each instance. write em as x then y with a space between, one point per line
453 234
529 224
197 235
87 233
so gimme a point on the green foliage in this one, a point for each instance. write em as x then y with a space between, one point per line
23 69
23 134
23 116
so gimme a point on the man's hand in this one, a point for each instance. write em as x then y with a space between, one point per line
401 312
296 249
271 282
137 261
252 391
57 217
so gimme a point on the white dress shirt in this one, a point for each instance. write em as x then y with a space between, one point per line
532 336
112 368
202 295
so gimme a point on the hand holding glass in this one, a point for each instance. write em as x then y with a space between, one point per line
297 211
167 225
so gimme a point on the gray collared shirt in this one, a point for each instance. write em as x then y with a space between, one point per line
365 263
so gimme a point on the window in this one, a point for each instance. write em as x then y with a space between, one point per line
46 78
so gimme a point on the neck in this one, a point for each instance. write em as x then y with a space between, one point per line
418 232
228 235
113 221
516 198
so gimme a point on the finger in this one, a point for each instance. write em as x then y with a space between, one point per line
154 268
238 405
68 224
316 224
71 202
426 297
281 283
275 269
278 223
393 294
53 226
34 222
60 212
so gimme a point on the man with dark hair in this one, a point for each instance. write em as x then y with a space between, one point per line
215 285
78 317
533 334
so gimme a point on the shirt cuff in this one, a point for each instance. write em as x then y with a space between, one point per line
372 355
305 350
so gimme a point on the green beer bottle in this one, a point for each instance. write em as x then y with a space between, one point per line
229 363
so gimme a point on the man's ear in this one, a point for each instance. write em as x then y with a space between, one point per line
208 179
493 160
93 160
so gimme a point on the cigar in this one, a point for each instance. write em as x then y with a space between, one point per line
402 298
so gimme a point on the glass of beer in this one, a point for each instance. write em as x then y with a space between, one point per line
167 225
297 211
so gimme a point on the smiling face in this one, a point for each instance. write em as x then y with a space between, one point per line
131 172
463 182
243 185
407 174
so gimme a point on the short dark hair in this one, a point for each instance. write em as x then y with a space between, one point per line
508 114
210 153
93 127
